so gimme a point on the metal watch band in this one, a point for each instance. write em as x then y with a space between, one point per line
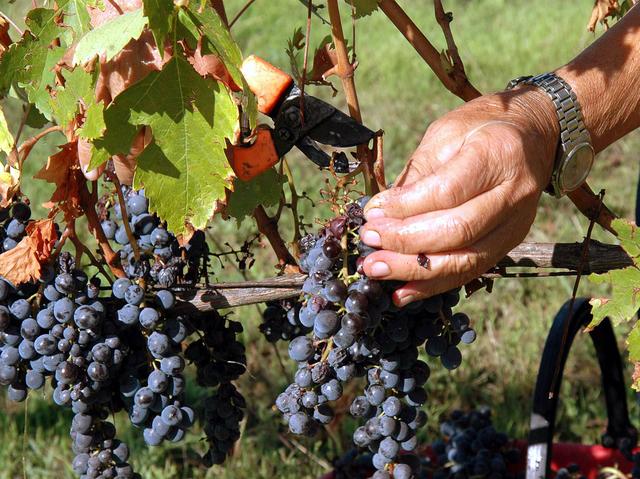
572 128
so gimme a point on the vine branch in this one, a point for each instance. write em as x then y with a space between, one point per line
454 80
540 256
269 228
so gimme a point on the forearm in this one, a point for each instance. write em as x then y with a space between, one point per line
606 79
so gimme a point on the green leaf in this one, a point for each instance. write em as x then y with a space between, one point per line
363 7
111 37
624 301
99 156
218 34
185 171
6 138
633 343
211 26
76 15
78 87
264 190
29 62
160 14
93 126
39 76
627 233
35 119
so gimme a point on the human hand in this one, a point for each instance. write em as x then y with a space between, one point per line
466 197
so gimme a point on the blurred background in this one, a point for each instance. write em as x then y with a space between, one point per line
498 40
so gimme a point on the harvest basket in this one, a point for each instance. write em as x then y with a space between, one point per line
541 458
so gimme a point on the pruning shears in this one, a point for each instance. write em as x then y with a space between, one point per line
299 120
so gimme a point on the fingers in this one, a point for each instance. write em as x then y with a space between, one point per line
443 230
454 183
445 270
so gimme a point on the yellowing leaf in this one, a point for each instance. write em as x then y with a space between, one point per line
6 138
9 186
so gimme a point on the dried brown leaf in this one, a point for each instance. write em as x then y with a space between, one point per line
63 170
602 9
24 262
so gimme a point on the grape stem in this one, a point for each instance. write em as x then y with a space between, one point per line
240 13
345 72
294 207
88 203
82 249
125 222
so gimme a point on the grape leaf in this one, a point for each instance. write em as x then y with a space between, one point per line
6 138
79 87
76 15
22 264
625 299
9 186
110 38
185 171
363 8
93 126
211 26
159 13
633 343
63 170
264 190
30 62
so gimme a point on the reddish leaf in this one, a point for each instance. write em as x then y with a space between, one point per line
210 65
602 9
5 39
23 263
63 170
325 62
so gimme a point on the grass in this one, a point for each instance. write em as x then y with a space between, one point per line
498 40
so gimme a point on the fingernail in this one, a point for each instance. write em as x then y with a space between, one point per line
374 214
404 300
379 269
372 238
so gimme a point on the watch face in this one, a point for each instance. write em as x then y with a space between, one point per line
576 167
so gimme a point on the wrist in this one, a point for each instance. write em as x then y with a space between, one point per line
534 112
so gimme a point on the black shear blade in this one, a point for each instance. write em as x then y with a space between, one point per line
321 158
341 131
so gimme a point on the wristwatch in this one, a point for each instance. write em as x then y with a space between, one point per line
575 153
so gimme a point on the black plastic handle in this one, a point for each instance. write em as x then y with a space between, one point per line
545 398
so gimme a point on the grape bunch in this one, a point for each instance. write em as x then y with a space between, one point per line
14 223
280 321
72 341
356 331
123 351
160 259
472 448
